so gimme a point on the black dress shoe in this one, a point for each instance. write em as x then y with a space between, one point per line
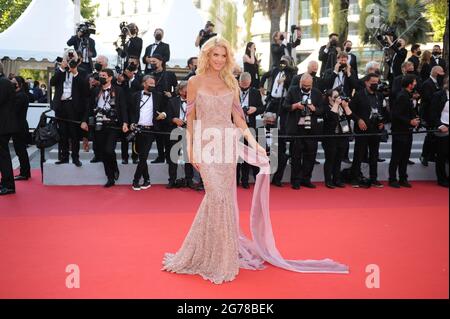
95 160
424 161
171 185
110 183
135 161
381 160
443 184
411 162
125 161
308 185
77 163
7 191
158 160
394 184
200 187
295 186
245 185
116 175
21 178
339 185
405 184
62 162
189 183
277 183
316 162
330 185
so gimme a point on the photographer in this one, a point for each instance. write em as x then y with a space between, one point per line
192 65
399 57
336 122
133 48
160 48
147 113
415 57
348 45
280 78
178 110
342 76
69 102
304 106
108 112
205 34
281 46
328 53
313 67
251 102
83 43
404 120
369 116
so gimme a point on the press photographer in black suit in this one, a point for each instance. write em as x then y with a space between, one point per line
166 84
337 114
148 112
404 120
399 57
313 67
69 102
436 58
369 116
252 105
352 60
328 53
282 45
82 42
192 65
133 48
108 112
205 34
8 126
20 138
304 105
159 47
177 107
439 120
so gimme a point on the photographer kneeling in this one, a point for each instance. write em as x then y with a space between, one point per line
108 111
147 112
336 122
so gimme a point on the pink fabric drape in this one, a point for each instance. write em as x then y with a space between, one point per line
253 253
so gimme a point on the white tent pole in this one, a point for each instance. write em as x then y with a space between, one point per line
77 12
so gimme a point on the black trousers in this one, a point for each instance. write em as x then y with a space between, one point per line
362 144
173 163
20 147
6 168
441 158
304 152
161 145
144 143
68 131
335 150
282 159
107 140
401 151
429 147
124 145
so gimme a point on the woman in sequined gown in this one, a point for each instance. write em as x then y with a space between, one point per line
215 247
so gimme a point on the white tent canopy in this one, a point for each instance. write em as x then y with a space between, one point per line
41 32
181 27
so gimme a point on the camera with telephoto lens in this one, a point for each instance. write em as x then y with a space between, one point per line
383 33
383 87
132 135
86 29
103 116
132 67
305 114
376 118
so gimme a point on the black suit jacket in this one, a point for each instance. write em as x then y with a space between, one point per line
162 48
415 60
272 75
254 99
331 120
133 48
361 110
159 105
328 59
21 107
437 105
403 112
8 116
294 96
75 41
166 81
354 63
317 82
429 88
278 51
80 90
398 60
441 63
350 82
120 103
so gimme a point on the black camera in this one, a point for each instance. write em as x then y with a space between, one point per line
132 67
384 33
103 116
383 87
132 135
124 30
343 67
86 29
305 114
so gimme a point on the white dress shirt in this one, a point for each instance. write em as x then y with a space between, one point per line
146 110
277 89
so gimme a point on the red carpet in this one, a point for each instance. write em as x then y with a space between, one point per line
118 237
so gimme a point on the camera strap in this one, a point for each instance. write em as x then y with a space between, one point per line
142 100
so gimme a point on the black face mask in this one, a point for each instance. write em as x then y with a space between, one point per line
158 37
282 66
282 37
419 53
98 67
244 89
436 53
313 74
398 44
410 72
73 64
153 66
440 80
348 49
102 81
306 90
151 89
373 87
333 43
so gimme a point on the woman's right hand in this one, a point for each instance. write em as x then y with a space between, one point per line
191 161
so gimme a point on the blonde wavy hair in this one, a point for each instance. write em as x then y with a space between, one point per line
226 74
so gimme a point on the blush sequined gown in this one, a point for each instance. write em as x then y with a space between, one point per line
215 247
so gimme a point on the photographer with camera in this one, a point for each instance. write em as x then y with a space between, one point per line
69 102
108 113
251 102
304 105
282 46
177 107
400 53
160 48
404 120
328 53
341 76
82 42
205 34
280 78
147 112
133 47
369 116
313 67
348 45
192 64
336 122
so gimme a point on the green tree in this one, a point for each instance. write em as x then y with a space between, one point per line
248 17
315 26
437 12
339 18
10 11
225 13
